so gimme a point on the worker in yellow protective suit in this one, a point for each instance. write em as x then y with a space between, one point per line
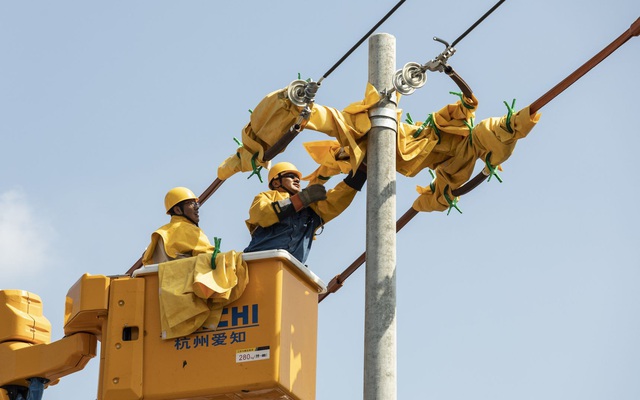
192 291
287 217
181 237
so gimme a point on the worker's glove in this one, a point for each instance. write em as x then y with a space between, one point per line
312 193
356 180
308 196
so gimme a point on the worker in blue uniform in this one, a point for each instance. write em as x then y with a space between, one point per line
287 217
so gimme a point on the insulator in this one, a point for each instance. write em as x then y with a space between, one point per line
401 85
414 75
296 93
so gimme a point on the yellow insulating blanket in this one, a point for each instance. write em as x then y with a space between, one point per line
412 153
331 158
350 126
490 138
269 121
445 145
275 114
192 295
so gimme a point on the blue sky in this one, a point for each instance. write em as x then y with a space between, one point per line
531 293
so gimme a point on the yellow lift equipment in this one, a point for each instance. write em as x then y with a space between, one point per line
263 348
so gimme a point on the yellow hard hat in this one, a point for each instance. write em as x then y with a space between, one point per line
176 195
281 168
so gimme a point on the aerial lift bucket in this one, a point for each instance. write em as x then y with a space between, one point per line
263 348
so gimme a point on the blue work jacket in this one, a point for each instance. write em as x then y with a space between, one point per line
293 234
294 231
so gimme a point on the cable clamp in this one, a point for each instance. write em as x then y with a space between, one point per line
382 117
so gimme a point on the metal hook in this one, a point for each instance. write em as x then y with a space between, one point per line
437 39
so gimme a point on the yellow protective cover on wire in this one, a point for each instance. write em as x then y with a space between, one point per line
180 236
269 121
412 153
192 295
275 114
333 160
435 141
350 126
490 141
448 144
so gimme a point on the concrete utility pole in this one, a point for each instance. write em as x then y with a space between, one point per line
380 365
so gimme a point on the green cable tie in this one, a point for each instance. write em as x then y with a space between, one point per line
470 126
432 184
492 169
435 128
239 143
250 111
324 178
510 110
459 94
452 203
409 120
467 106
216 243
430 122
256 168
